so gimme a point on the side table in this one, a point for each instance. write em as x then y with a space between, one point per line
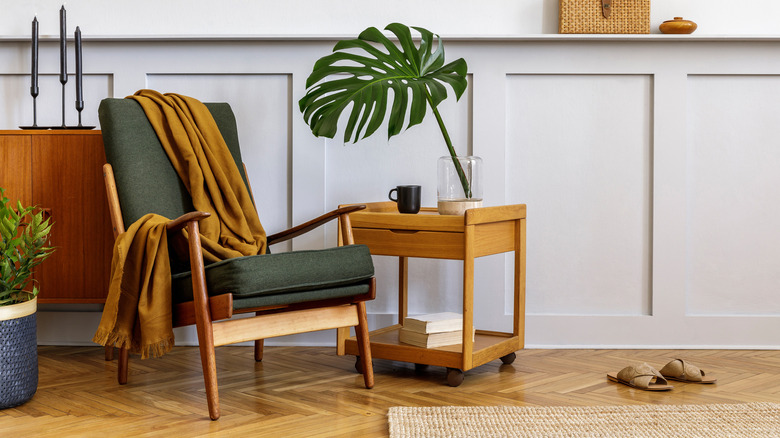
480 232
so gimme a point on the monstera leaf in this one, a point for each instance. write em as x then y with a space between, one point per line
364 78
361 72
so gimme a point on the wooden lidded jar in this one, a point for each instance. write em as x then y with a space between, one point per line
677 26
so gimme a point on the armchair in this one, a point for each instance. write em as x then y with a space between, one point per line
292 292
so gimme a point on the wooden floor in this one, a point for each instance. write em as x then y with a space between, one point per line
311 392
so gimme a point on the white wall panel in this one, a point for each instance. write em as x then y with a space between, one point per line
648 164
579 152
733 191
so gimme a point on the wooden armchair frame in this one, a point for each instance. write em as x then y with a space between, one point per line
211 314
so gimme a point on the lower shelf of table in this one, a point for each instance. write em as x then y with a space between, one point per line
488 346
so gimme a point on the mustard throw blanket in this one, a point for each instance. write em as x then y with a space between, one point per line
137 314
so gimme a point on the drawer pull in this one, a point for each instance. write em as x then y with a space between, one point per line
405 231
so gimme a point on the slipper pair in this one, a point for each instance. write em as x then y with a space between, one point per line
649 379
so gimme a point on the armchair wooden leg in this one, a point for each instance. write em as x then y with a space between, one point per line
361 333
258 346
122 365
258 350
203 321
209 363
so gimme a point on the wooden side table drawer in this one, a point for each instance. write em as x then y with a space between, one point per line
427 244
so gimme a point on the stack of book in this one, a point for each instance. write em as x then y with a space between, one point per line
432 330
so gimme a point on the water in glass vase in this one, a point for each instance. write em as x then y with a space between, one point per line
459 184
457 206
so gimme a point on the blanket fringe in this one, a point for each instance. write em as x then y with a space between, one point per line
157 349
113 339
109 338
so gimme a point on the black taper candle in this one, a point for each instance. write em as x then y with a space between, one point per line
79 71
34 56
34 72
63 60
63 48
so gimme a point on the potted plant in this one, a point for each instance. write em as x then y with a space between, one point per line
363 71
23 245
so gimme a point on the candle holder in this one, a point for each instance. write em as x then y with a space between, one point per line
79 108
34 74
35 109
63 74
64 126
63 80
34 94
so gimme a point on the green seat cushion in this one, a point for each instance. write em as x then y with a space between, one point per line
300 297
285 278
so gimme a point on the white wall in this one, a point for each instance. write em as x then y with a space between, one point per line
347 17
649 165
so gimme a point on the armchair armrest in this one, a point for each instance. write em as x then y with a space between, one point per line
181 246
181 221
312 224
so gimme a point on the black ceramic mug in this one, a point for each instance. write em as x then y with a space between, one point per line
408 198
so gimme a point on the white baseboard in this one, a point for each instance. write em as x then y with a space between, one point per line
77 329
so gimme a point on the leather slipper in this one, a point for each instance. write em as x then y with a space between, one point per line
682 371
642 377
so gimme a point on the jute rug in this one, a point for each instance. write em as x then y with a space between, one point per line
716 420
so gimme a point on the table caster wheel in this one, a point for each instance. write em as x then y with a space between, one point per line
454 376
358 365
509 358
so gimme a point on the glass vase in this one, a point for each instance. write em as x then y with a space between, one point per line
459 185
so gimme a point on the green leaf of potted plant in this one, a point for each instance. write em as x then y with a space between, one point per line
24 237
363 71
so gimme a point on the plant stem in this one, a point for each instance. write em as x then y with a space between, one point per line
458 168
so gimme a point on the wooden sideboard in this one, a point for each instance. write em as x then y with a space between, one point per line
60 171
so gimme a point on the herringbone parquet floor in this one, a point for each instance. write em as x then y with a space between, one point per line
311 392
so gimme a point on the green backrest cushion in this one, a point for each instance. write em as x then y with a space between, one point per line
145 178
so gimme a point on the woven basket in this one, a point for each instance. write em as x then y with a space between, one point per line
18 359
588 16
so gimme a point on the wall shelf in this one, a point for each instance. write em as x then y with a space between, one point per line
653 37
